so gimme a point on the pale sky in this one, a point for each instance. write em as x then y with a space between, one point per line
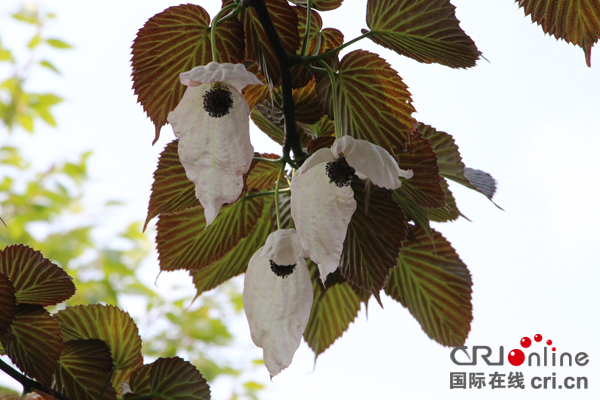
529 117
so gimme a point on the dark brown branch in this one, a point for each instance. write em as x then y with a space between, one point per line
291 140
30 384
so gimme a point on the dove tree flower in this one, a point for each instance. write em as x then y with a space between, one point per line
211 122
323 201
278 296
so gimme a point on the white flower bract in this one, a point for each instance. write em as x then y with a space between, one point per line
215 152
322 210
278 308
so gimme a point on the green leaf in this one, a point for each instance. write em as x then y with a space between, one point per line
83 370
8 303
50 66
418 215
322 128
169 378
258 47
59 44
171 42
34 342
171 190
575 21
321 5
373 239
435 285
451 165
374 101
425 30
34 42
183 242
332 312
424 188
235 262
35 278
106 323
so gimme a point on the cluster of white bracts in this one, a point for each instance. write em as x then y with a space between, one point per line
216 153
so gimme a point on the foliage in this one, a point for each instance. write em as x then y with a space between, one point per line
310 96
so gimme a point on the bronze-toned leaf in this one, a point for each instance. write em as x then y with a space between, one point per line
332 312
169 378
258 47
425 30
84 369
374 102
424 187
450 213
36 280
451 165
575 21
171 42
171 190
435 285
8 303
183 242
256 94
264 174
373 239
34 342
236 261
321 5
110 324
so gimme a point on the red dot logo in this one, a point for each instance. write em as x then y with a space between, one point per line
516 357
554 349
525 342
548 342
537 338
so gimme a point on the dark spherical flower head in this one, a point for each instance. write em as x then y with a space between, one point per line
339 172
282 270
218 101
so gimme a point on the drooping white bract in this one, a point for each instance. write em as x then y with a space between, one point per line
322 209
215 151
278 307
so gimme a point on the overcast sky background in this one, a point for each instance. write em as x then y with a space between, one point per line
530 117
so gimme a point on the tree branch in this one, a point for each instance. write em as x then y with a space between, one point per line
291 140
30 384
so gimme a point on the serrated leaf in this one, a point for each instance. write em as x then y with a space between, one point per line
332 312
373 239
83 370
36 280
575 21
268 117
374 101
414 213
174 41
451 165
169 378
264 174
235 262
183 242
8 303
110 324
425 30
324 127
321 5
258 47
171 190
256 94
424 188
451 213
435 285
34 342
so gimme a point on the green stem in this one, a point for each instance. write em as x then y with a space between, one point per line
213 30
269 160
106 384
259 194
336 111
307 30
281 171
323 56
